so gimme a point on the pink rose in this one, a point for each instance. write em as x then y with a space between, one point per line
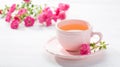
8 17
85 49
29 21
15 24
42 17
26 1
12 8
22 11
59 15
60 12
63 6
49 13
46 16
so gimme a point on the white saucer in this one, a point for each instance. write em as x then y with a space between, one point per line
54 47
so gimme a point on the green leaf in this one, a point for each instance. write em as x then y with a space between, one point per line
100 48
104 46
32 5
6 6
35 15
23 5
28 4
31 12
18 5
29 9
92 44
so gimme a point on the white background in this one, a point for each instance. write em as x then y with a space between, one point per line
25 47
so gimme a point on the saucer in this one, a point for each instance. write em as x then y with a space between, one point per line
53 47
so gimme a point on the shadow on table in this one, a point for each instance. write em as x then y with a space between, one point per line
86 62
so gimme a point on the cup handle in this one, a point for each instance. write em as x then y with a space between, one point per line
99 34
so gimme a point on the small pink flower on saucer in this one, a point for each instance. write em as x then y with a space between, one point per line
85 49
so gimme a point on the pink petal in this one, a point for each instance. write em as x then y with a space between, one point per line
48 22
46 9
8 18
42 17
57 11
22 11
12 8
17 18
0 11
54 17
63 6
49 13
27 1
62 15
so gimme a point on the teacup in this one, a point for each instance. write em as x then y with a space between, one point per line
72 33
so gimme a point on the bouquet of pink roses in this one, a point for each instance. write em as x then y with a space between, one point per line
29 13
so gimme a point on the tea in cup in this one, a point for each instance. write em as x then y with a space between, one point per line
71 34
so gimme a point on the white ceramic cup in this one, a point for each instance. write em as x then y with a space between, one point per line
71 40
